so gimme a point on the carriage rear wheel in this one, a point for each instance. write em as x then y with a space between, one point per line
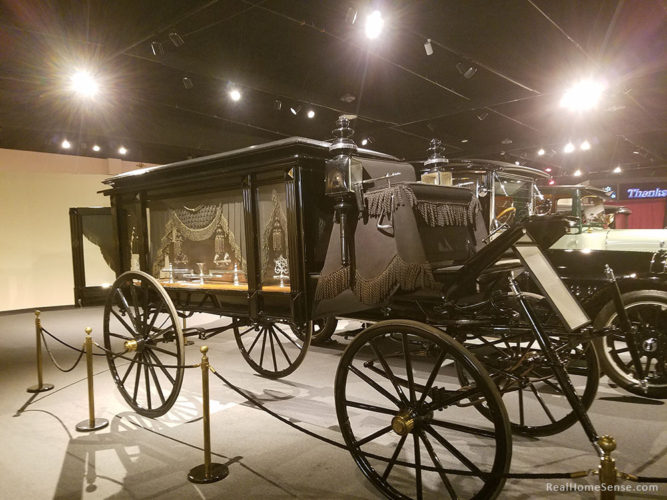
409 422
534 400
273 349
140 321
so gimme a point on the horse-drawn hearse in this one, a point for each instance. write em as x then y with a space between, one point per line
471 338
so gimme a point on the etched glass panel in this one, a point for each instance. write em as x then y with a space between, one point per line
274 252
199 241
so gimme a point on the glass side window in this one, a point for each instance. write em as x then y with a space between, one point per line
513 196
273 242
199 241
564 206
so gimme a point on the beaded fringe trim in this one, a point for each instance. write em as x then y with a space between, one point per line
398 274
435 214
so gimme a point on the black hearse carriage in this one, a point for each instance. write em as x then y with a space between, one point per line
576 231
279 235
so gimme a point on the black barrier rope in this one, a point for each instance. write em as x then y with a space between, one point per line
44 330
53 359
261 406
120 355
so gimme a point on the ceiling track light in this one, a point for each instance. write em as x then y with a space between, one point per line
122 150
428 47
295 110
235 94
96 148
65 144
466 71
310 114
187 82
176 39
277 105
157 48
374 25
367 141
618 170
541 152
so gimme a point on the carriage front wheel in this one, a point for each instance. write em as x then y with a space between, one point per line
409 422
141 324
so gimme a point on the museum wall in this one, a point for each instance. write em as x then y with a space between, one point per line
36 192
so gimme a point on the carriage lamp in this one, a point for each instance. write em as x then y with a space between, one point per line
343 180
434 166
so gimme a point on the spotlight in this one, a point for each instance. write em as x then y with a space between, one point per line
374 24
295 110
157 48
635 152
83 83
96 148
585 146
540 152
464 140
235 95
428 47
517 162
277 105
122 150
577 173
310 114
65 144
547 170
364 142
467 72
569 147
582 96
187 82
176 39
618 170
552 182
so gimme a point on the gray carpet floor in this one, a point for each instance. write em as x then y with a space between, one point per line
43 456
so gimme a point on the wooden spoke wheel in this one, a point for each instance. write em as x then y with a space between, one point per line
409 422
273 349
323 329
140 317
647 311
535 402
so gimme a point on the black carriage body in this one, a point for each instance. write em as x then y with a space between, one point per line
256 218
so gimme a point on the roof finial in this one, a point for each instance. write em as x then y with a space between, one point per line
343 143
436 155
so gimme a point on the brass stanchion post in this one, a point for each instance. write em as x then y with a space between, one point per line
207 472
92 423
607 470
41 386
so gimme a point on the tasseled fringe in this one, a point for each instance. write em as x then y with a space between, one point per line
332 284
435 214
387 200
398 275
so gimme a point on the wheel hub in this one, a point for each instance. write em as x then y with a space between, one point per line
650 345
403 423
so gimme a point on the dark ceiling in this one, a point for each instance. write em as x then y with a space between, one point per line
308 54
